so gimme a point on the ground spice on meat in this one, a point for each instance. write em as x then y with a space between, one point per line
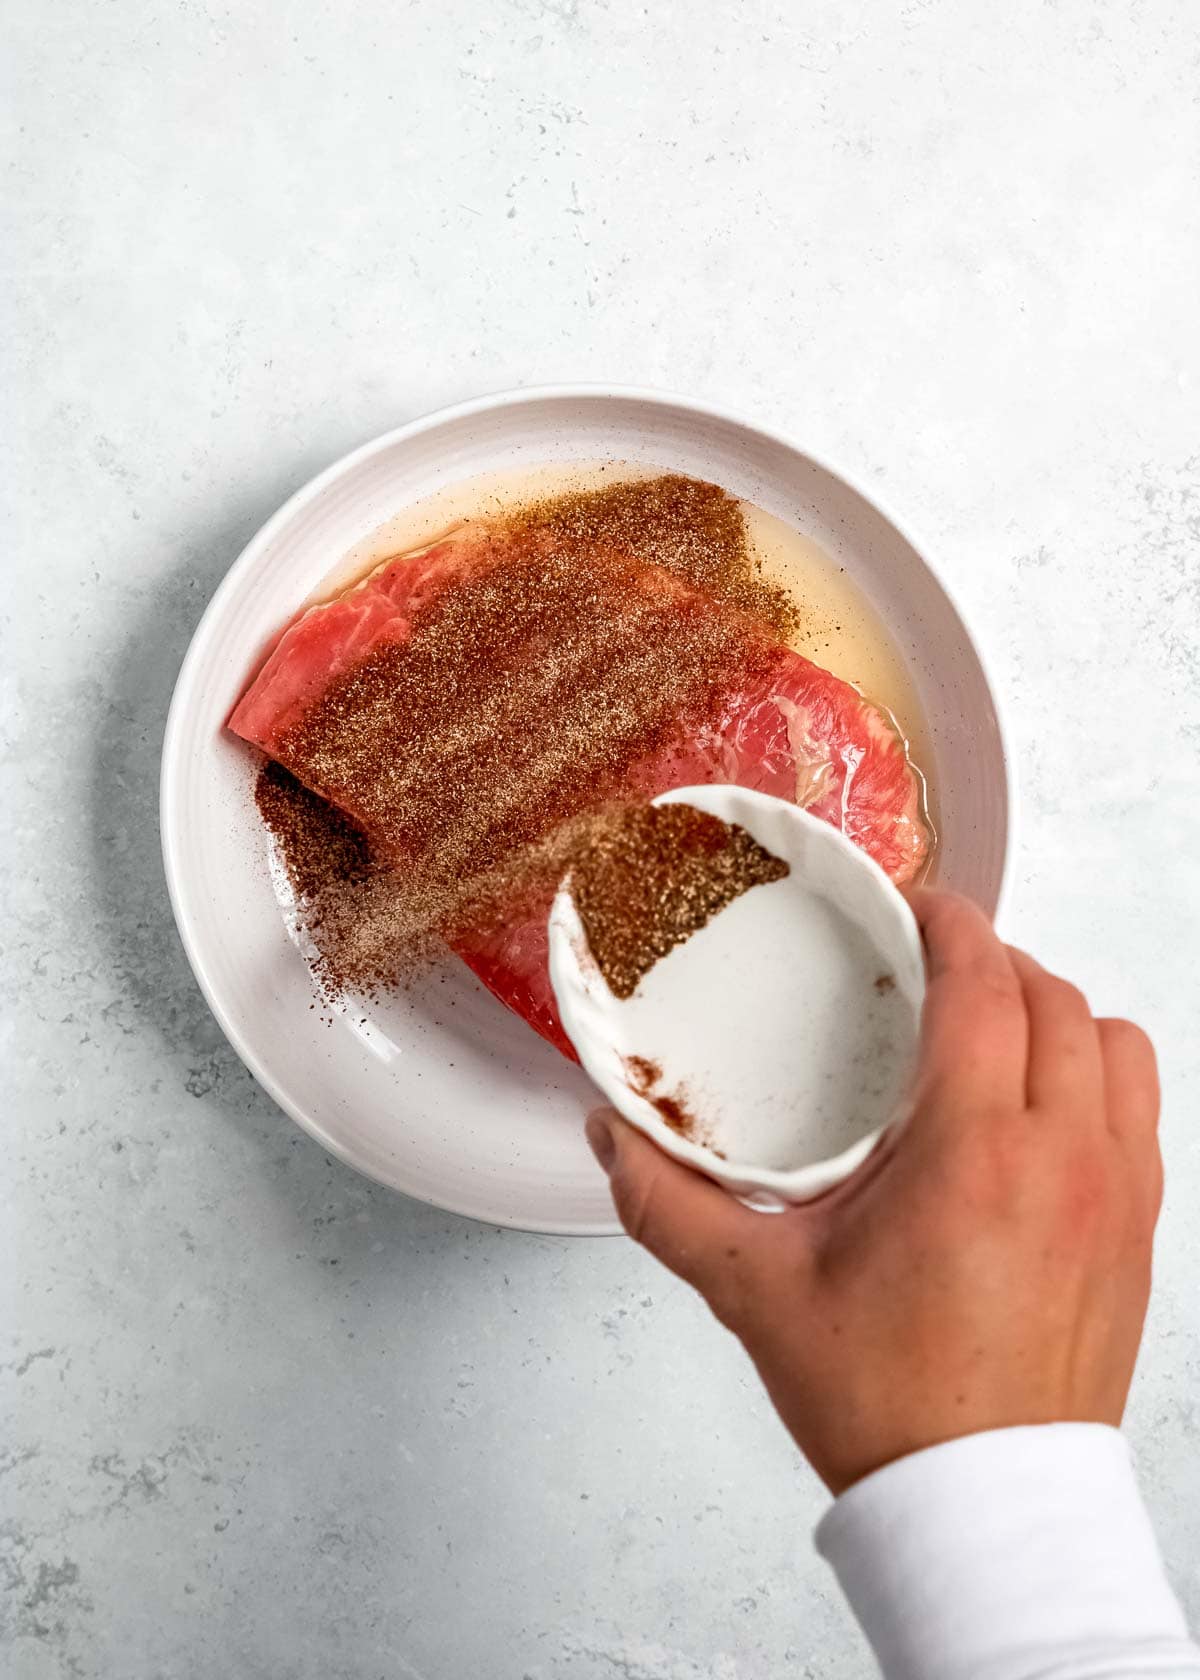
526 694
319 844
686 525
583 636
353 907
650 876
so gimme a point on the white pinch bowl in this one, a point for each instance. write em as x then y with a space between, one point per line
791 1018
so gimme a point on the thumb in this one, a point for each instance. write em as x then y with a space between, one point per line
685 1220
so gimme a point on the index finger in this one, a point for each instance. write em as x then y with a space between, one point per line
974 1029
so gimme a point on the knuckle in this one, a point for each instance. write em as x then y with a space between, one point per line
1063 995
954 928
944 906
997 984
1131 1072
1126 1031
1010 1170
1128 1039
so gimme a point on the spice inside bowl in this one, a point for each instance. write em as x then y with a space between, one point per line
742 983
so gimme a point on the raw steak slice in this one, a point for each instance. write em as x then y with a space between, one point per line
793 730
326 640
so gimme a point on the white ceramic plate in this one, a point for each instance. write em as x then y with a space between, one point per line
445 1095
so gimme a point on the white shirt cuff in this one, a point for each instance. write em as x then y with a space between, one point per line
1009 1555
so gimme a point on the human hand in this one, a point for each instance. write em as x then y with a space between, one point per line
988 1265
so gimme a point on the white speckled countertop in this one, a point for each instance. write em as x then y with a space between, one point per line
259 1418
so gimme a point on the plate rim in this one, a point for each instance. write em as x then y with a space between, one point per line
312 488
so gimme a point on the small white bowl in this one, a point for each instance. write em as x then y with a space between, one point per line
785 1029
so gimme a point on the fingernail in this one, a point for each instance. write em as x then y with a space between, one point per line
599 1135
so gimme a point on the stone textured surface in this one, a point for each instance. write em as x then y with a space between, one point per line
260 1419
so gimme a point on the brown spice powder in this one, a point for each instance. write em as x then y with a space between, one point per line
645 1077
355 909
583 636
650 876
686 525
319 843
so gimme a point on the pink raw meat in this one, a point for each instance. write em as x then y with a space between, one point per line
797 732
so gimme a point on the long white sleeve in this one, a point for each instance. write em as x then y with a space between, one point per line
1018 1554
